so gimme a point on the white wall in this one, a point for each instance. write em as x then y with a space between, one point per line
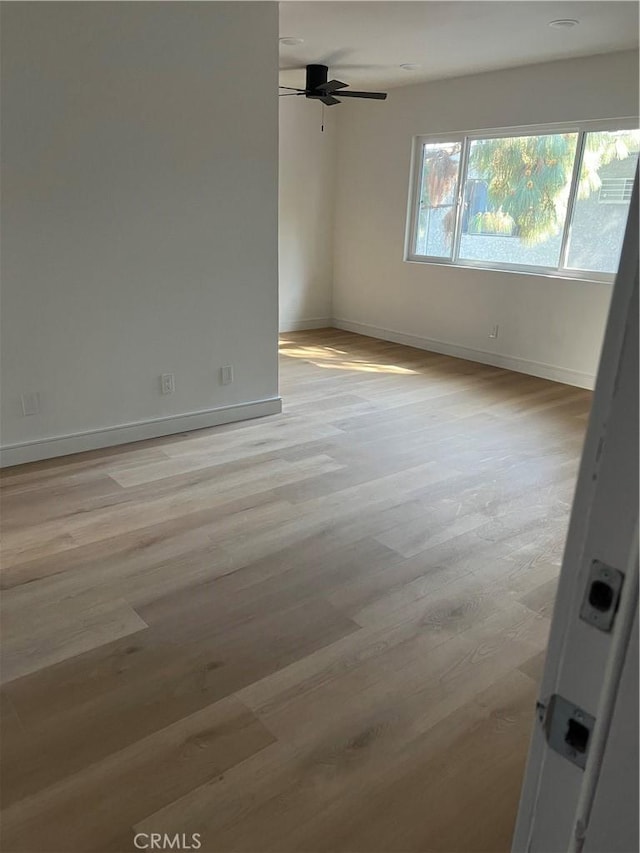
547 326
307 196
140 160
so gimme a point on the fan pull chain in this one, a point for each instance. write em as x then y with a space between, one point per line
322 125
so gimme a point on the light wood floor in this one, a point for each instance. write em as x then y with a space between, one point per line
319 631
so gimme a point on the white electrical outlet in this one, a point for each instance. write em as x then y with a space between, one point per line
226 374
494 331
31 403
167 383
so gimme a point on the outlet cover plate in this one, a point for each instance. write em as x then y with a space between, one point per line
167 383
31 403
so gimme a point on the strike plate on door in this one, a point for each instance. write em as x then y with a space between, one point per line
602 596
568 728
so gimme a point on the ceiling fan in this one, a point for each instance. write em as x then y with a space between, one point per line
319 88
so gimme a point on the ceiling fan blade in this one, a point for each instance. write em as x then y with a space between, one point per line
328 100
291 88
331 87
376 96
290 94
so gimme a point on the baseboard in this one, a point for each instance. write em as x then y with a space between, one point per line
519 365
63 445
301 325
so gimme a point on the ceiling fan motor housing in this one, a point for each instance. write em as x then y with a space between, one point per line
317 75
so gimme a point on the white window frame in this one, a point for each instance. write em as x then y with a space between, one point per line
465 138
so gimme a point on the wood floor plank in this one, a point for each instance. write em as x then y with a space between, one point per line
412 684
26 544
90 809
128 689
309 800
541 598
319 632
534 666
433 786
35 638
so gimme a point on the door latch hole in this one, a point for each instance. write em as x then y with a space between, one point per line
577 736
601 596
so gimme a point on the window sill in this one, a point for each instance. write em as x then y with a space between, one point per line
563 275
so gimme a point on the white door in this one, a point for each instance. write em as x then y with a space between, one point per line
580 790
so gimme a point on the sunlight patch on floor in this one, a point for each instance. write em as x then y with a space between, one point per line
333 359
364 367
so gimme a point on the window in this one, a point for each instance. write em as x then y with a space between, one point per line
438 192
554 201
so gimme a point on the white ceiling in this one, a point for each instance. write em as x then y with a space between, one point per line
363 43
